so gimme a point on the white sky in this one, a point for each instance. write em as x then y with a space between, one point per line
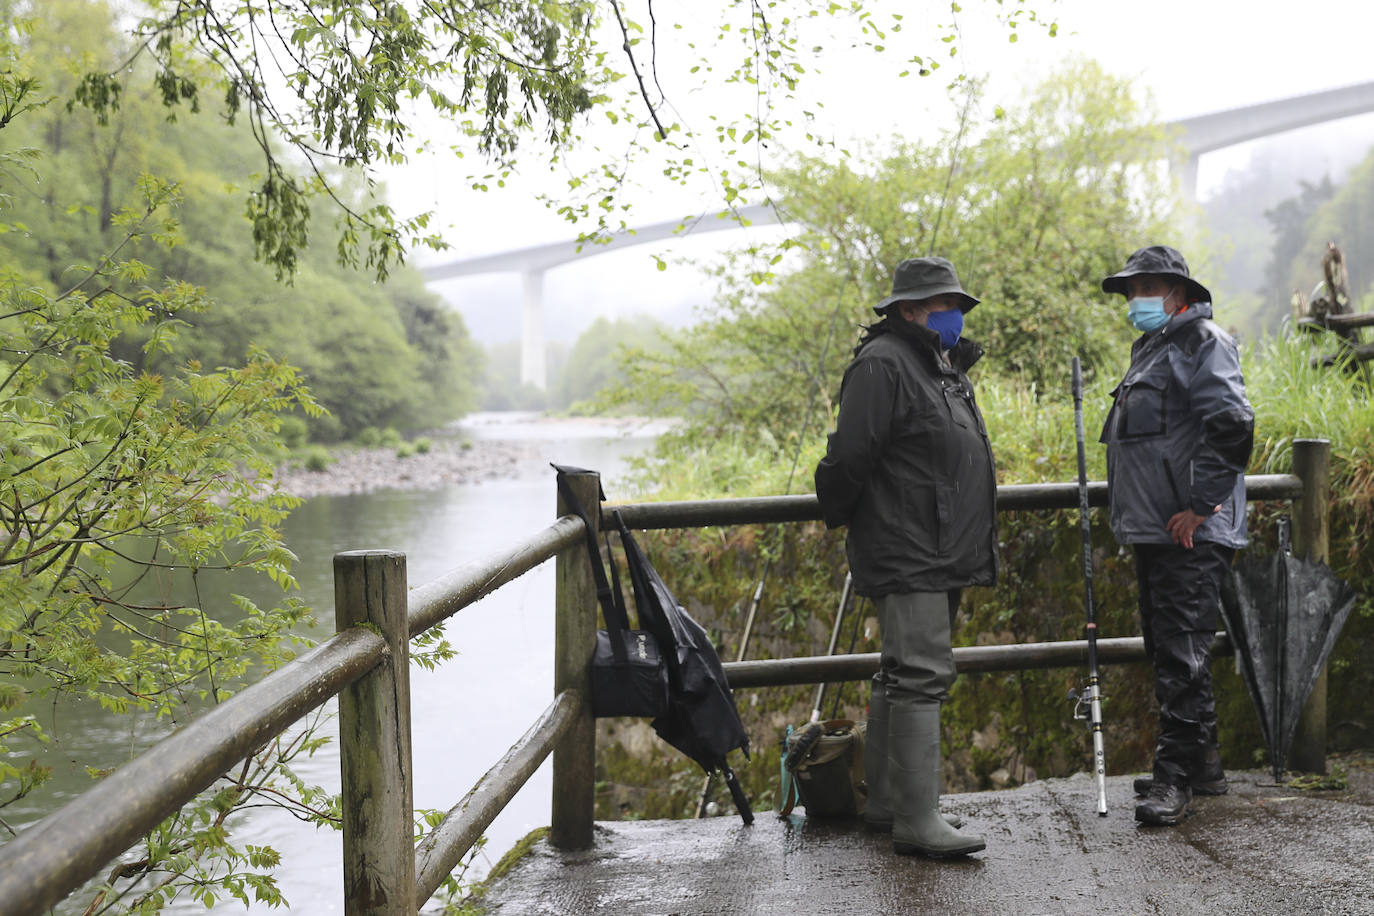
1190 56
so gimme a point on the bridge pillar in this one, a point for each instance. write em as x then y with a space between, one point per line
532 370
1185 169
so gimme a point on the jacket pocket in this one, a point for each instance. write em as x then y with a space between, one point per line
962 411
944 517
915 531
1141 409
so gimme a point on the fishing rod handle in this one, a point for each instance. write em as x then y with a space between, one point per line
1099 756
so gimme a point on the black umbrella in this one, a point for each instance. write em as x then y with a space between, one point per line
1284 614
702 720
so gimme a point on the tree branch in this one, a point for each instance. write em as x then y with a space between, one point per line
634 68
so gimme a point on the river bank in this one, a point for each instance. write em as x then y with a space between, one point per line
449 462
481 447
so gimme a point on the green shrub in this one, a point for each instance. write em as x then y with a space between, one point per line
369 437
390 438
422 445
405 450
317 458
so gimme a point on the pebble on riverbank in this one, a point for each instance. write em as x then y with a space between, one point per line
366 470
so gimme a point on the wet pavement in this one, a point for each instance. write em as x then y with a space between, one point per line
1262 849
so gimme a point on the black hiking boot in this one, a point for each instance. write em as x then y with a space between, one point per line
1165 805
1209 780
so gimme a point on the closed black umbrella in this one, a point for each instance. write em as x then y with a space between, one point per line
1284 614
702 720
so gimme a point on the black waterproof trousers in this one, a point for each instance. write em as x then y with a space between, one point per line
1180 596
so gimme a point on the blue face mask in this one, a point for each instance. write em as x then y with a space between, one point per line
1147 313
948 324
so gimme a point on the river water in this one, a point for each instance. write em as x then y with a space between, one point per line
469 711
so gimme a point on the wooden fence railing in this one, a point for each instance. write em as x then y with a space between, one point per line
366 665
1346 336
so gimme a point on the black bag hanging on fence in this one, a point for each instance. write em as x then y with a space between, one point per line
699 717
702 720
629 675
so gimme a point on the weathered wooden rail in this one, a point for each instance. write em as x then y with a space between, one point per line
366 665
1345 328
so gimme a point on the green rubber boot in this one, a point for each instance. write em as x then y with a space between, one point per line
913 755
877 808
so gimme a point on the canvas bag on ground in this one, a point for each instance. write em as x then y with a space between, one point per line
629 676
825 761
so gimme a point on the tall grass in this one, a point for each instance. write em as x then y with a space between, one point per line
1032 432
1294 399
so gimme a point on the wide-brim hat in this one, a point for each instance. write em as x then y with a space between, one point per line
1160 260
921 278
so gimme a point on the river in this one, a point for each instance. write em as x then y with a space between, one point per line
469 711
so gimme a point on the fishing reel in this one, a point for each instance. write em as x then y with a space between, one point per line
1083 701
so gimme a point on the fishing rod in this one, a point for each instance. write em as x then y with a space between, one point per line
853 640
1090 696
834 638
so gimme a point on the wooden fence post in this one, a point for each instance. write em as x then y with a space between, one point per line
574 758
1311 539
374 740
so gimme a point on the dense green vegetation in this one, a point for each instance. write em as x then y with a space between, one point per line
374 354
116 481
143 395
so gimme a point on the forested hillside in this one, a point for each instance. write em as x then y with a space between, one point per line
373 354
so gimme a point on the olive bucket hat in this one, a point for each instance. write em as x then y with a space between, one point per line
1160 260
921 278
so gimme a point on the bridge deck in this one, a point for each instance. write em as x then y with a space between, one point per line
1262 849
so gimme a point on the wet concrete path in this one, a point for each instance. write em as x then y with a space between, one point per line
1262 849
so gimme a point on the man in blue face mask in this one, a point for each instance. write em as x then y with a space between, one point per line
1178 438
909 469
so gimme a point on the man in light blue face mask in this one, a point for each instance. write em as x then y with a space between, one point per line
1178 438
1151 301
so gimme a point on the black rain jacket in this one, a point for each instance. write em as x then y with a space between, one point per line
909 467
1179 434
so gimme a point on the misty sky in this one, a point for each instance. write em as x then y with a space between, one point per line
1190 57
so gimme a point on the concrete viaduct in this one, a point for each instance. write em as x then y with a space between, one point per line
1197 136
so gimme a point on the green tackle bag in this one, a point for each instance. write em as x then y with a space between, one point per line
823 769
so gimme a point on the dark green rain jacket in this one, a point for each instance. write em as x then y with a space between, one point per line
909 467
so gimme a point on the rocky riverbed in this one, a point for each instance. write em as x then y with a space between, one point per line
448 462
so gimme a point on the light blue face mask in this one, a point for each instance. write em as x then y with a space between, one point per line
1147 314
948 324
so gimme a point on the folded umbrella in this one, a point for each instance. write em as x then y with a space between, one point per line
1284 614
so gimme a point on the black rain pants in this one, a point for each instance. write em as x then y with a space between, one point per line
1180 596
